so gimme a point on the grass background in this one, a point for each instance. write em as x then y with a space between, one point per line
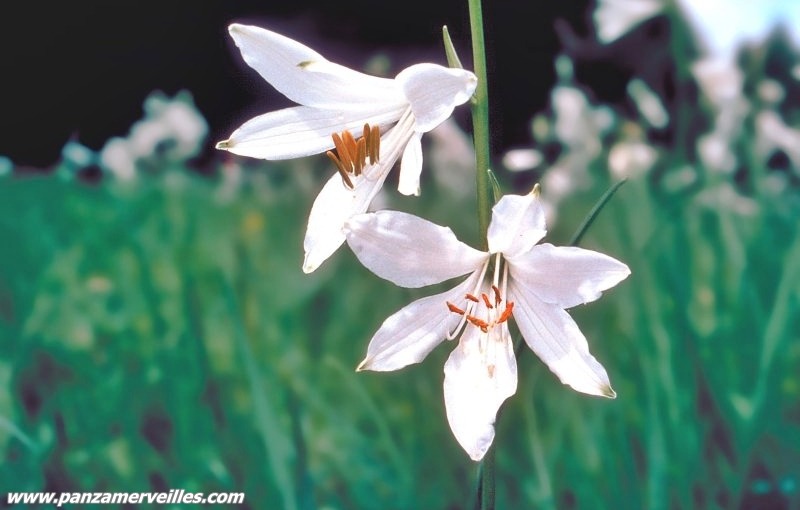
158 334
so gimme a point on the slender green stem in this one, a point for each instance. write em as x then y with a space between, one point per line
480 119
480 131
486 487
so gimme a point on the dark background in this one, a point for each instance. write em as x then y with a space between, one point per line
81 70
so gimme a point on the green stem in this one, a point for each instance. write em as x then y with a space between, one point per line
480 130
480 119
486 485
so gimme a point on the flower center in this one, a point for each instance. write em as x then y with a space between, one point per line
492 316
351 155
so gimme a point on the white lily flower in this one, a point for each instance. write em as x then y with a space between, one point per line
534 282
335 100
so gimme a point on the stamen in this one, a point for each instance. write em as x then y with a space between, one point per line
341 168
351 154
506 313
472 298
361 155
486 301
375 145
350 143
453 308
497 298
490 370
479 323
341 150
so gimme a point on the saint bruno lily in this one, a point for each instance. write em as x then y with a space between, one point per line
533 283
335 102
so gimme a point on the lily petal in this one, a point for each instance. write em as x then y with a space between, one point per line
408 250
306 77
565 275
479 375
552 334
434 91
408 335
301 130
411 166
334 205
517 224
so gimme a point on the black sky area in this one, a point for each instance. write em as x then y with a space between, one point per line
81 70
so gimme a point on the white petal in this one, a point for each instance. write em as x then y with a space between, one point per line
409 251
566 276
306 77
552 334
517 224
301 131
479 375
434 91
408 335
334 205
411 166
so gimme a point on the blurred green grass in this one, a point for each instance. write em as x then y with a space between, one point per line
159 334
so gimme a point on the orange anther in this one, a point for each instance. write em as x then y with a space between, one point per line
453 308
361 155
341 168
486 300
506 313
478 322
343 152
472 298
375 145
497 298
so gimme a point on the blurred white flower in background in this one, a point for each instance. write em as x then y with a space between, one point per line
521 160
631 156
578 124
172 130
615 18
579 127
721 81
648 104
716 152
452 157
